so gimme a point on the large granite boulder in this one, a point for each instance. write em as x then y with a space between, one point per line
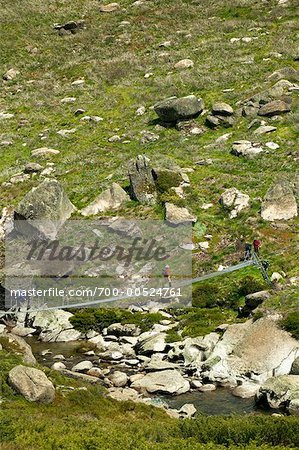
279 203
173 109
164 381
281 392
32 384
143 186
274 108
111 198
246 148
150 342
48 206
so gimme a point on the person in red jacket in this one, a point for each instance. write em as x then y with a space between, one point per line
256 246
166 274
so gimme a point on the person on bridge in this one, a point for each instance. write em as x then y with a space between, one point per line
166 275
248 251
256 246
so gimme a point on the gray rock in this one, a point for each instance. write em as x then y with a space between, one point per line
58 366
44 151
164 381
222 109
274 108
184 64
128 329
173 109
32 384
149 343
256 299
142 182
33 168
187 411
110 7
49 205
207 388
214 121
55 326
110 199
11 74
158 362
246 390
279 203
284 72
264 129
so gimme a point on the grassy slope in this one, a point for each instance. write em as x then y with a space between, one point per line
113 59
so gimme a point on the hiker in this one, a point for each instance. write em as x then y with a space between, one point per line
248 251
256 246
265 265
166 275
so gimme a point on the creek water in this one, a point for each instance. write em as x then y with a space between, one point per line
218 402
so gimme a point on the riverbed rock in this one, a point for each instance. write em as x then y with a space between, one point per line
17 345
58 366
187 411
110 199
82 366
124 394
32 383
158 362
22 331
149 343
48 205
119 379
246 390
281 392
173 109
274 108
128 329
279 202
207 387
164 381
142 182
235 200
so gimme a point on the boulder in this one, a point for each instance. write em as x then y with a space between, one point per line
48 206
142 182
176 214
15 344
246 148
33 168
235 201
279 203
44 151
222 109
284 72
263 129
252 301
214 121
164 381
187 411
128 329
281 392
32 384
22 331
119 379
173 109
111 198
158 362
274 108
58 366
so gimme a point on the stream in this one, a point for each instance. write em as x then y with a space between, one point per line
218 402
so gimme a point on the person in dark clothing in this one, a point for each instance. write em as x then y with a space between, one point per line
248 251
256 246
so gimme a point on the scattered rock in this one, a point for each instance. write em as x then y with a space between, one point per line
222 109
70 27
44 151
32 384
279 203
140 111
246 390
111 7
173 109
68 100
111 198
235 201
58 366
151 342
264 129
246 148
184 64
285 72
207 388
10 74
176 214
256 299
281 392
274 108
4 115
33 168
82 366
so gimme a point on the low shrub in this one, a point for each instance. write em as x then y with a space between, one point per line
291 323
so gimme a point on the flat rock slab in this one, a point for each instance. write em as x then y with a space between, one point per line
164 381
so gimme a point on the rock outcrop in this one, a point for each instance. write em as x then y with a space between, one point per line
281 393
173 109
235 201
142 182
